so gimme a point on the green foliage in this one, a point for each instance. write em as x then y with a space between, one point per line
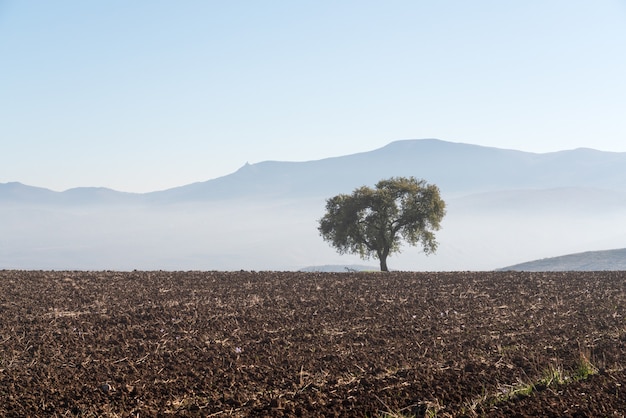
553 376
584 368
374 222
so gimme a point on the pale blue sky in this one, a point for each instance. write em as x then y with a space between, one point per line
147 95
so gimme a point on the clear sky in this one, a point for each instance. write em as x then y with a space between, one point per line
146 95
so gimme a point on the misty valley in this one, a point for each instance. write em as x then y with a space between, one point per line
503 207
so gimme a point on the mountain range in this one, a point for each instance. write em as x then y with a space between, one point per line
504 207
456 168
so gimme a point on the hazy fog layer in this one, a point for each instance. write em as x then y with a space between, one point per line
480 232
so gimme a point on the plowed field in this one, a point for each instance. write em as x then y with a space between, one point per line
144 344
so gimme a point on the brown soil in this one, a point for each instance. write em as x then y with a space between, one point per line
142 344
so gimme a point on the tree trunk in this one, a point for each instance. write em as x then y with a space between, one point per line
383 264
382 256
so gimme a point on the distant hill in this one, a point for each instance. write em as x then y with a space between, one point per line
338 268
586 261
15 192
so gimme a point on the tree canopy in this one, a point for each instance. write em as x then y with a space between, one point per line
374 222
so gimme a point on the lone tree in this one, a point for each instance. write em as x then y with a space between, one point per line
373 222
